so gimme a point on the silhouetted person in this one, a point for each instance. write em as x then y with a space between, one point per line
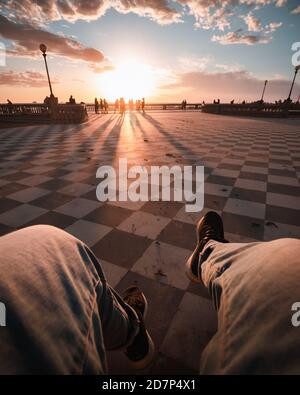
143 104
105 106
10 106
122 106
96 106
72 100
117 105
101 106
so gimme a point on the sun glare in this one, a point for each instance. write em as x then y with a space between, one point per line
130 80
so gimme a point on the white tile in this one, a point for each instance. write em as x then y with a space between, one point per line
254 169
164 263
76 176
251 184
226 173
134 206
144 224
76 189
26 195
217 189
78 207
39 169
34 180
20 215
113 273
288 201
245 207
88 232
284 180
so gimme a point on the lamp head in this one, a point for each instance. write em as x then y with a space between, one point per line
43 48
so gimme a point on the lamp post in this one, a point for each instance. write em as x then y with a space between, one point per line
294 79
263 93
43 49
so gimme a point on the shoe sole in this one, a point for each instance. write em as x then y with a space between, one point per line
145 362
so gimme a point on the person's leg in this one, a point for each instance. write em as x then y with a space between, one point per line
254 287
61 313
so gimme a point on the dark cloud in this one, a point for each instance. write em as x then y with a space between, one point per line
49 10
31 79
26 40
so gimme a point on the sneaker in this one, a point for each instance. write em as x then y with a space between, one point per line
210 227
142 351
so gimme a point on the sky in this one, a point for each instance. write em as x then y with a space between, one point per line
165 51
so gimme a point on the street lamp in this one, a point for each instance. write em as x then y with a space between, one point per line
43 49
294 79
263 93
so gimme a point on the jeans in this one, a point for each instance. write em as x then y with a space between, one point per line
61 315
253 287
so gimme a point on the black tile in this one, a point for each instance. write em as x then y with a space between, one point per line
221 180
163 302
164 209
121 248
52 200
283 189
11 188
248 194
283 215
55 184
179 234
253 176
244 226
108 215
54 219
7 204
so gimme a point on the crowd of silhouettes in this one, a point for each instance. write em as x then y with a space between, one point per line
101 105
119 106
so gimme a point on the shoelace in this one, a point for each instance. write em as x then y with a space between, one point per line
134 300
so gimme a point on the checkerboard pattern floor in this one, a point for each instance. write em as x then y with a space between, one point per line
252 170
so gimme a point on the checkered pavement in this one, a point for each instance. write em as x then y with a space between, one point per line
252 170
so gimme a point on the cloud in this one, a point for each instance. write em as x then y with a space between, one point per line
103 69
238 37
253 23
26 40
272 27
227 86
72 10
296 10
207 13
217 13
31 79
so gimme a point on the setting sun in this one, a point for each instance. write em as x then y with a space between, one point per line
130 80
